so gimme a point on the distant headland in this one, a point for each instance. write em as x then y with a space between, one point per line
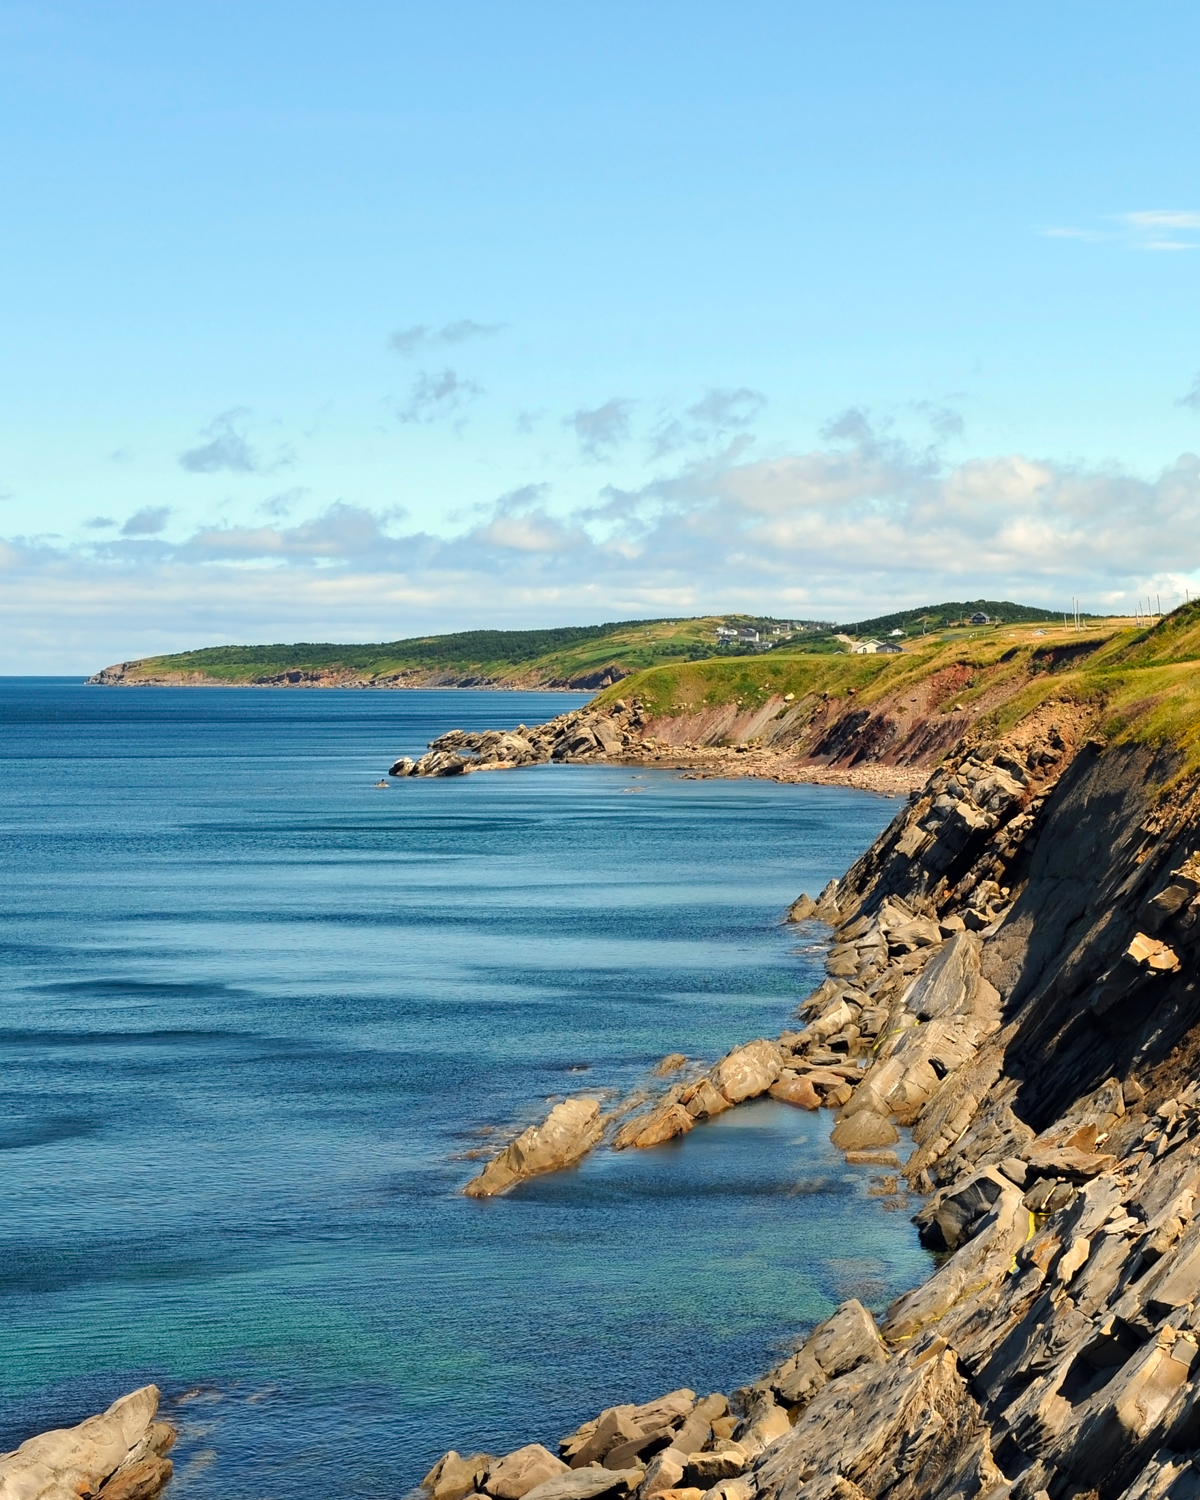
580 657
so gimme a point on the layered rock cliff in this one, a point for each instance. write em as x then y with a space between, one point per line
1014 977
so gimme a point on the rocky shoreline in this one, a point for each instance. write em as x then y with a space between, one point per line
1014 978
622 734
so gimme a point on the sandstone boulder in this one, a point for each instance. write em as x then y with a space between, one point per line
69 1462
454 1477
947 1220
661 1124
615 1426
768 1423
587 1484
706 1469
920 932
843 1342
141 1480
568 1132
665 1473
743 1488
795 1088
512 1477
748 1071
864 1130
703 1099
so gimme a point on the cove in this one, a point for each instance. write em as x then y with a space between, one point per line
256 1013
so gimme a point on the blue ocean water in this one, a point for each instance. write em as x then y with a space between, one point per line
254 1014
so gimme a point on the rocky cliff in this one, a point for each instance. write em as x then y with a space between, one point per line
1014 977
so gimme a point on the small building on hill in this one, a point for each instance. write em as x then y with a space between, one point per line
979 618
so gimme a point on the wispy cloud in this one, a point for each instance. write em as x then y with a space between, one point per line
410 341
1143 229
601 429
434 397
717 414
343 533
227 447
282 504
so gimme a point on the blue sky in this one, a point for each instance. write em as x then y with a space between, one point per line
356 321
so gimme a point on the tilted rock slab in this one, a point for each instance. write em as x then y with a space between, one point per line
742 1074
567 1133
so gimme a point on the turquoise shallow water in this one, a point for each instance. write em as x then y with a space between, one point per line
255 1011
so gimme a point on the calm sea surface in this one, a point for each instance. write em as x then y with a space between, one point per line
254 1012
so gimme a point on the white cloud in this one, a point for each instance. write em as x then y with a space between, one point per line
860 523
148 521
717 414
602 428
227 448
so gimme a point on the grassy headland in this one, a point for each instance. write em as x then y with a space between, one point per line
574 655
569 656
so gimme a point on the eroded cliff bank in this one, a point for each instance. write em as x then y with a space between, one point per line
881 723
